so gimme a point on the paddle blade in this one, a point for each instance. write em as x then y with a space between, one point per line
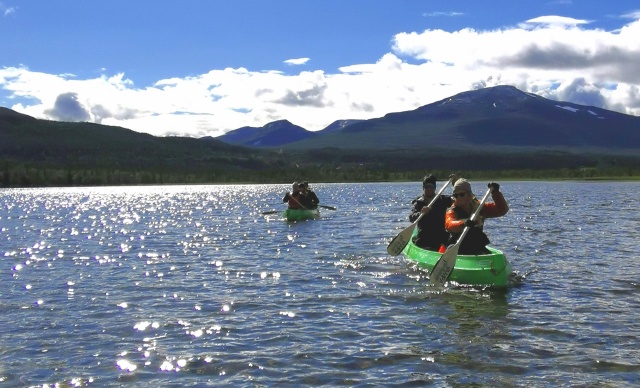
271 212
327 207
443 268
396 246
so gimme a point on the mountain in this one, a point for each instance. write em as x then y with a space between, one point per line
273 134
337 126
498 117
277 133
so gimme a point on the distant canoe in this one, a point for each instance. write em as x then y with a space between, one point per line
301 214
492 269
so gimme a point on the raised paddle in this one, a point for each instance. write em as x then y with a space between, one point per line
441 271
396 246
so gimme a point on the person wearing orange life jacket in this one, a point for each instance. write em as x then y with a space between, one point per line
294 198
464 205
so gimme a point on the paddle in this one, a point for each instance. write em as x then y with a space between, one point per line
441 271
298 202
327 207
396 246
277 211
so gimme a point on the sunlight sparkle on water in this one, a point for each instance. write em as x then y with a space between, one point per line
126 365
142 326
166 366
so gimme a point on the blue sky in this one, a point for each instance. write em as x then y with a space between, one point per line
199 68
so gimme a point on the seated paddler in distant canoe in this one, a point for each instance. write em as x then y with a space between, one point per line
309 199
302 204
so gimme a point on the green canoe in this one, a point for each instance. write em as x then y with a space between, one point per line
301 214
492 269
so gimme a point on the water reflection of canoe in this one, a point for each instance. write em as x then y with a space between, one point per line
492 269
301 214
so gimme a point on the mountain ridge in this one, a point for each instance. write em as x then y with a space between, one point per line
500 116
272 134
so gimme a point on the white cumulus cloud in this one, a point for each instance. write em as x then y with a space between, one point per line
296 61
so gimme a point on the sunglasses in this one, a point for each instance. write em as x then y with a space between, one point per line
458 195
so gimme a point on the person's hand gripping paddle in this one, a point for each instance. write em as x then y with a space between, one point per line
396 246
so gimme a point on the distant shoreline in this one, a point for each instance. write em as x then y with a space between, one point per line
24 182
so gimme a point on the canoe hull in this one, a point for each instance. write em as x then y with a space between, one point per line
301 214
493 269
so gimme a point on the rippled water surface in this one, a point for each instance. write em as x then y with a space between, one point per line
193 286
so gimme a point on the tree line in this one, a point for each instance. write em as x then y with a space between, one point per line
33 175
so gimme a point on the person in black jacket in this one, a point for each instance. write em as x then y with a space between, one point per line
309 199
431 232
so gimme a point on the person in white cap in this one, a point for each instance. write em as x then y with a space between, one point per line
464 205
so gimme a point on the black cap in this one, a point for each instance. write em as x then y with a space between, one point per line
429 179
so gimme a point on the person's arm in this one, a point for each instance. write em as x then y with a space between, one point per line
415 212
451 222
314 199
286 197
498 208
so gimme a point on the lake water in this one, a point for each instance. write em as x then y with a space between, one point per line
193 286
